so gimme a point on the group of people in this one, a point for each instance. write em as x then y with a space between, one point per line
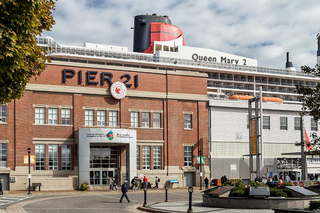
113 184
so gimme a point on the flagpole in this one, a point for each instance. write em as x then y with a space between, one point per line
303 155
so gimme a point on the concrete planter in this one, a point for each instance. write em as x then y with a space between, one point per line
264 203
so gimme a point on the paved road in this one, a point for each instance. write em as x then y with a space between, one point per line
96 202
102 201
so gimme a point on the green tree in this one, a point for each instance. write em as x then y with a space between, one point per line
310 97
20 58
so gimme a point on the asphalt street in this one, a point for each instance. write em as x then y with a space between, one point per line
96 201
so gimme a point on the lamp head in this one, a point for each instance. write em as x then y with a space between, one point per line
190 189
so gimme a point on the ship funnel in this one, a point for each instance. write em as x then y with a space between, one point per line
289 65
318 52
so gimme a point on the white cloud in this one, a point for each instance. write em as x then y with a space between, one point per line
260 29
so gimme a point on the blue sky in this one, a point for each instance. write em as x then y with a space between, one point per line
261 29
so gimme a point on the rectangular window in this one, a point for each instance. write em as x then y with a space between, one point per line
187 121
53 157
314 125
66 157
39 115
3 155
40 157
66 116
101 117
156 120
297 121
145 119
284 123
146 162
113 118
188 156
138 157
134 119
157 157
3 113
88 117
266 122
53 116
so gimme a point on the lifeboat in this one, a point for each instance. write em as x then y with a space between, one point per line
241 97
272 99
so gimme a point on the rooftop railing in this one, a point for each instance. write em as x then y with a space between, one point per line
54 48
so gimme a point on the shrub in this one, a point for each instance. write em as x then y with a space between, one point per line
236 192
84 186
313 205
277 193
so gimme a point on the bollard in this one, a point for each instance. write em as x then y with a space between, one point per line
145 197
166 188
190 190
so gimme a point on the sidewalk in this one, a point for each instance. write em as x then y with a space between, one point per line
173 207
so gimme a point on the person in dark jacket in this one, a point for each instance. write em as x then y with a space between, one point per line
206 182
124 190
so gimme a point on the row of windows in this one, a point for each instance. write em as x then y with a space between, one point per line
53 157
146 157
101 120
284 123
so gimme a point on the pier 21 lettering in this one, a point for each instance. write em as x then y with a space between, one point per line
226 60
92 77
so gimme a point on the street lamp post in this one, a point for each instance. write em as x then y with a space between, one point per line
145 197
190 190
29 176
200 153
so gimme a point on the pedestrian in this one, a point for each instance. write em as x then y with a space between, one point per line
111 184
115 184
133 182
206 182
124 190
1 187
137 183
157 180
287 179
145 181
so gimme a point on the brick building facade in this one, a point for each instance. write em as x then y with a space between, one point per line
166 109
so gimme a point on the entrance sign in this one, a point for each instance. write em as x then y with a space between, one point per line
26 159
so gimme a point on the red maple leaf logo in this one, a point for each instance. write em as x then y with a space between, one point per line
118 90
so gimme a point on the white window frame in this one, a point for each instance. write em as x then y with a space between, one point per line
187 121
283 123
134 119
297 123
66 116
314 124
145 119
156 120
40 155
157 157
146 157
40 115
3 155
3 113
266 122
89 117
66 157
113 118
53 116
138 157
188 156
53 158
101 117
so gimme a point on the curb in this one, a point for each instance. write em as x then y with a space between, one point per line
150 209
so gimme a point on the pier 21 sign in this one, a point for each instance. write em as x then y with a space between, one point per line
92 77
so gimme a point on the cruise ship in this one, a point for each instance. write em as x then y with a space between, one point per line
231 81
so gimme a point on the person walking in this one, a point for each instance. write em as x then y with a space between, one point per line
111 184
206 182
133 182
115 184
145 181
124 190
157 182
137 182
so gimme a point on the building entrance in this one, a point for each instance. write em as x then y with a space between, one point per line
101 177
103 164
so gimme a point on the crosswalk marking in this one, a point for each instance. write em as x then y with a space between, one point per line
10 200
